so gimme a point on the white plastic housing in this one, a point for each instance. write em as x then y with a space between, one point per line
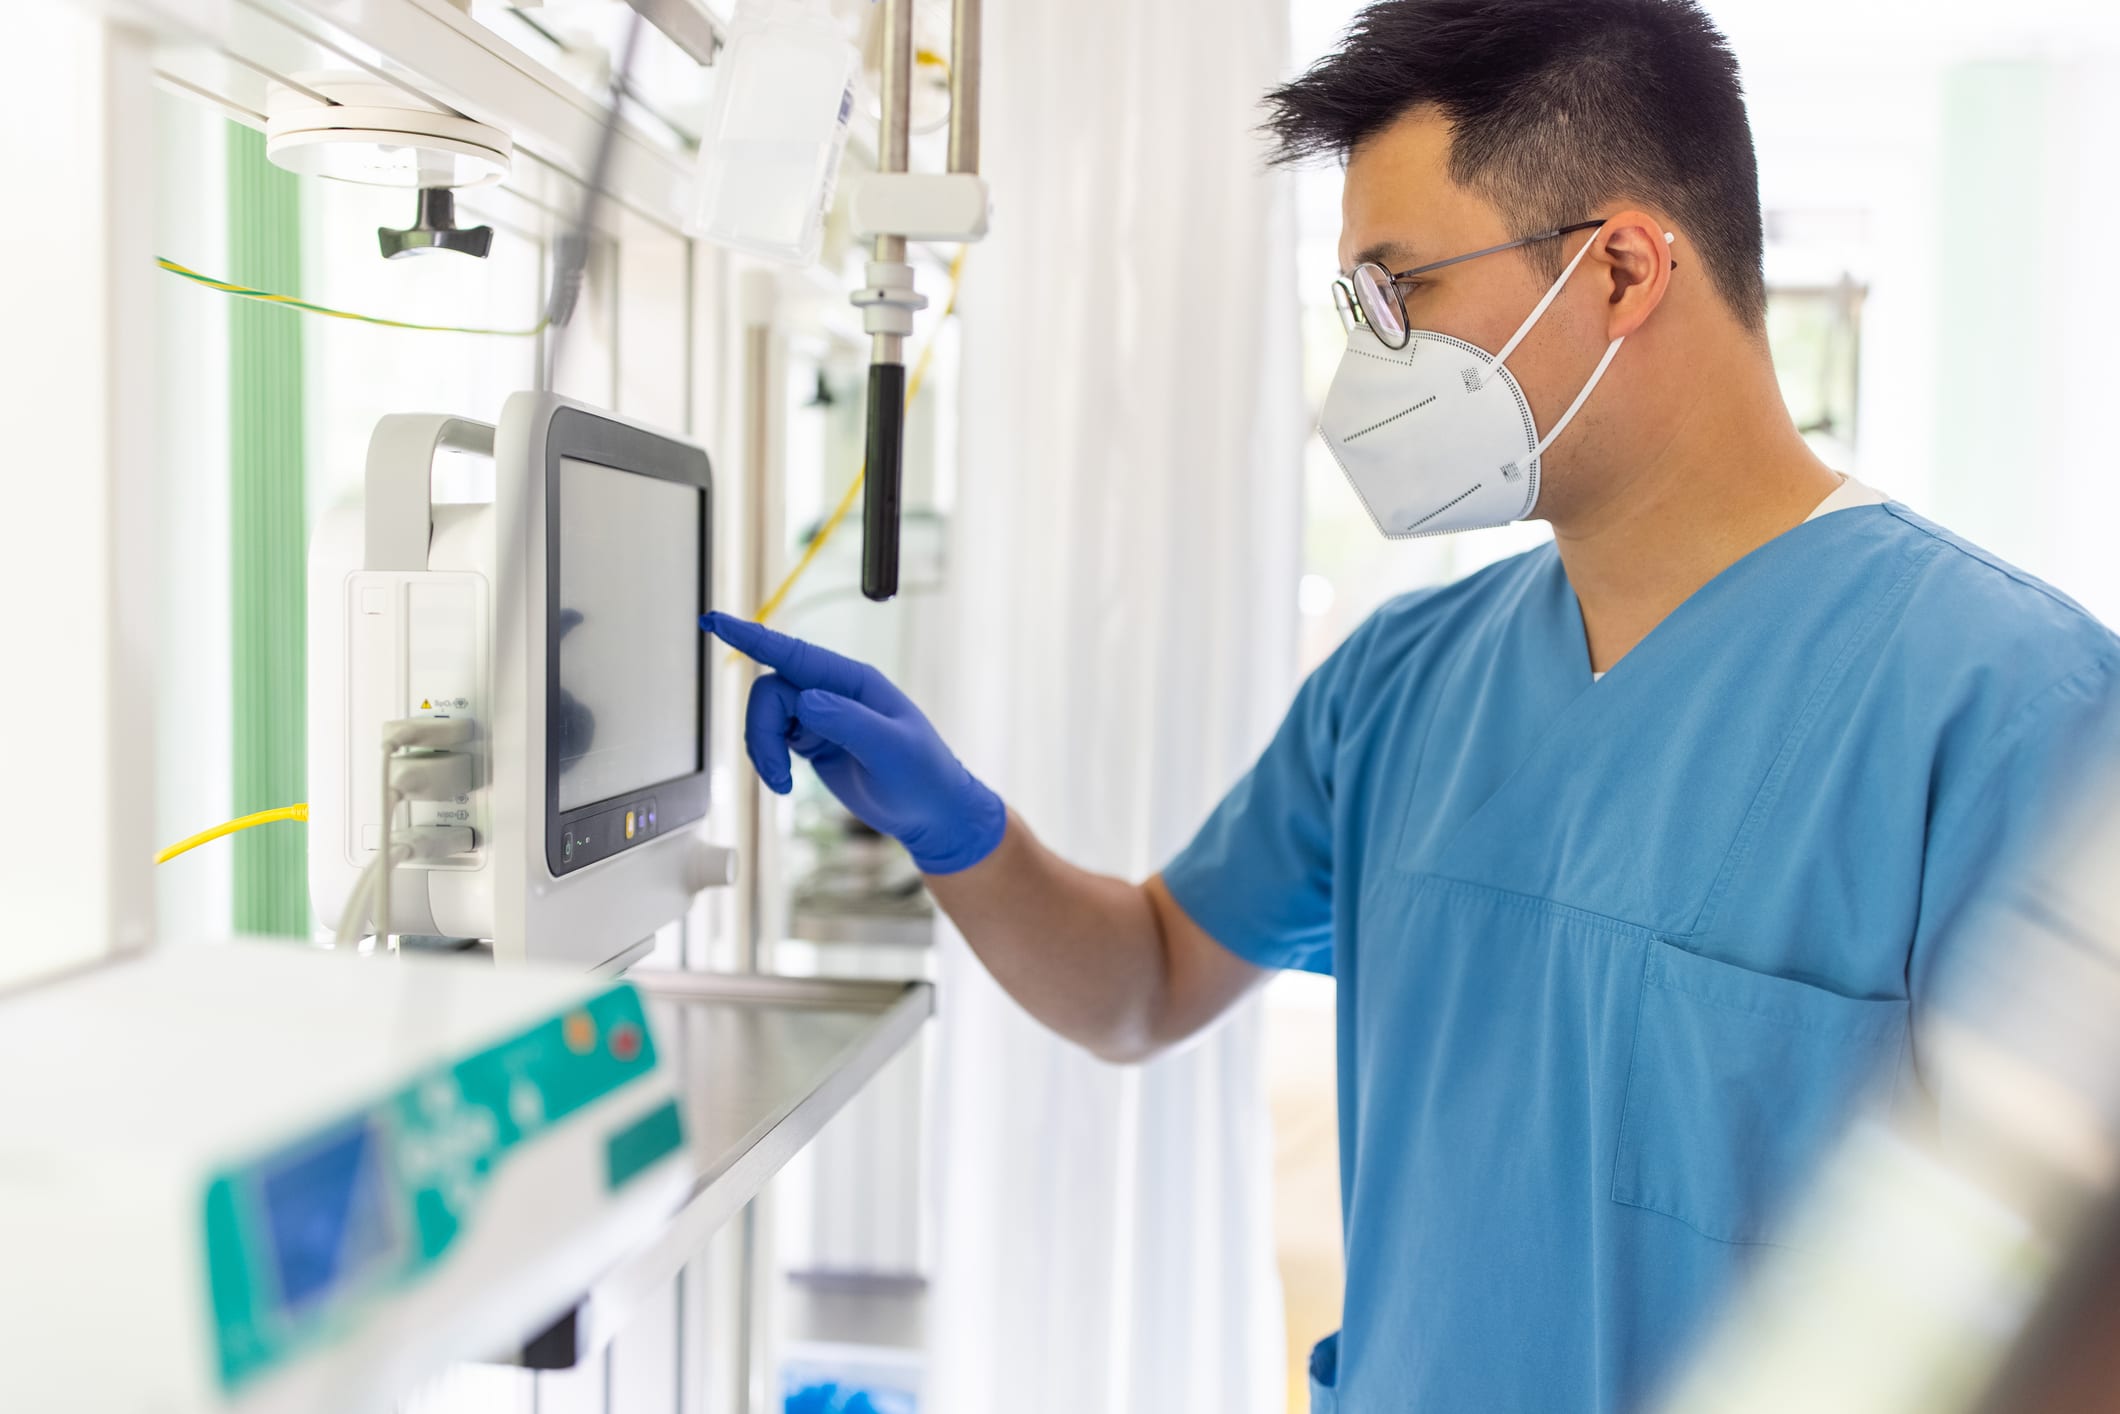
775 131
379 135
417 609
139 1081
921 206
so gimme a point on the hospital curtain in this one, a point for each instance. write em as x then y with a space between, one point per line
1124 563
268 539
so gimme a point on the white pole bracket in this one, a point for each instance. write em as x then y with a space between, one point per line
889 299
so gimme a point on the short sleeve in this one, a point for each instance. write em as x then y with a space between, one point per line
2003 822
1258 875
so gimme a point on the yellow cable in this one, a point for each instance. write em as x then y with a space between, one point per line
229 827
290 302
846 502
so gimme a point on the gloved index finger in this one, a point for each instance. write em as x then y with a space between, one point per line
803 664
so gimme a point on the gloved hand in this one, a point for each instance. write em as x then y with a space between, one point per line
869 744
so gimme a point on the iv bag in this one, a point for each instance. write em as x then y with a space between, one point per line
769 158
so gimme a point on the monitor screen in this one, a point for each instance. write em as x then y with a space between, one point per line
627 633
329 1215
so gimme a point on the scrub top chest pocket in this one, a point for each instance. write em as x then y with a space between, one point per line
1738 1084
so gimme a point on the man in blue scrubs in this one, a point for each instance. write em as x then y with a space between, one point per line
1636 857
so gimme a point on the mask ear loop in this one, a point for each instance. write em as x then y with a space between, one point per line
1670 238
1580 398
1553 292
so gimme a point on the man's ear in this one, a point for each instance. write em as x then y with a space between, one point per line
1634 252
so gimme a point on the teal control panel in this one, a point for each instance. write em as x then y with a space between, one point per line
301 1239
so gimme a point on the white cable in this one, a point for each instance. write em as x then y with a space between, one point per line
388 864
431 775
418 842
434 733
355 907
354 919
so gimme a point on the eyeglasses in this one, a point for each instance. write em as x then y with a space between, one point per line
1372 295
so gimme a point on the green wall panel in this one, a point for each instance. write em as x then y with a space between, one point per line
268 538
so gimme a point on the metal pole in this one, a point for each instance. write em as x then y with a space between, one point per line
893 148
883 482
964 86
759 485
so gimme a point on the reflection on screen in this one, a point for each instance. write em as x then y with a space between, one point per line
628 632
328 1215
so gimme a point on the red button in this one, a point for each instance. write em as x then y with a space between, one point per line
625 1040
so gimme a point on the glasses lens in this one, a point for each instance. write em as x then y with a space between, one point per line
1343 303
1380 304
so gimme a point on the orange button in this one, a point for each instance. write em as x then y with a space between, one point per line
579 1032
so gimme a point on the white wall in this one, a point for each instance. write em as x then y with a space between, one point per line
1979 145
74 843
358 373
194 893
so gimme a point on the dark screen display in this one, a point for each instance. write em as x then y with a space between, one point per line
628 632
328 1214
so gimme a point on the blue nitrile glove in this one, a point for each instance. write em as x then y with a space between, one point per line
869 744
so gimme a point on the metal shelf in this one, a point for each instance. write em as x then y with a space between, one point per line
817 926
763 1063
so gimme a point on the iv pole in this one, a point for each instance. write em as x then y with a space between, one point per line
893 206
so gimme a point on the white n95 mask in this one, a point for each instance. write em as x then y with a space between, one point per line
1437 436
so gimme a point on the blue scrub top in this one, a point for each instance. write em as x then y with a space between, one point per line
1616 957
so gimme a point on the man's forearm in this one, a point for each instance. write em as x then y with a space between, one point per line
1082 952
1118 967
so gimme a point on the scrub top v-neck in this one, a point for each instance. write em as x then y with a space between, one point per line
1616 958
1849 494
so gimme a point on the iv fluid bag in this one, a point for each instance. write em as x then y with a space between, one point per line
770 155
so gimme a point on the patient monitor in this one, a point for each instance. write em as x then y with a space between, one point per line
540 649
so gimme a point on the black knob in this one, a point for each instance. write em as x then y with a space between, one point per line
434 228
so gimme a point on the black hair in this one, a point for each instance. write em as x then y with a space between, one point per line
1556 109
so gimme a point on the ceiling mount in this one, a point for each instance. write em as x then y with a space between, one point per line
375 133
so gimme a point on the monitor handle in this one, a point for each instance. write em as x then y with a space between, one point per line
399 501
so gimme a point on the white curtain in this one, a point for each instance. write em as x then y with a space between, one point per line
1124 563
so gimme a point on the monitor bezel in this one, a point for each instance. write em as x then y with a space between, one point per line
576 435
